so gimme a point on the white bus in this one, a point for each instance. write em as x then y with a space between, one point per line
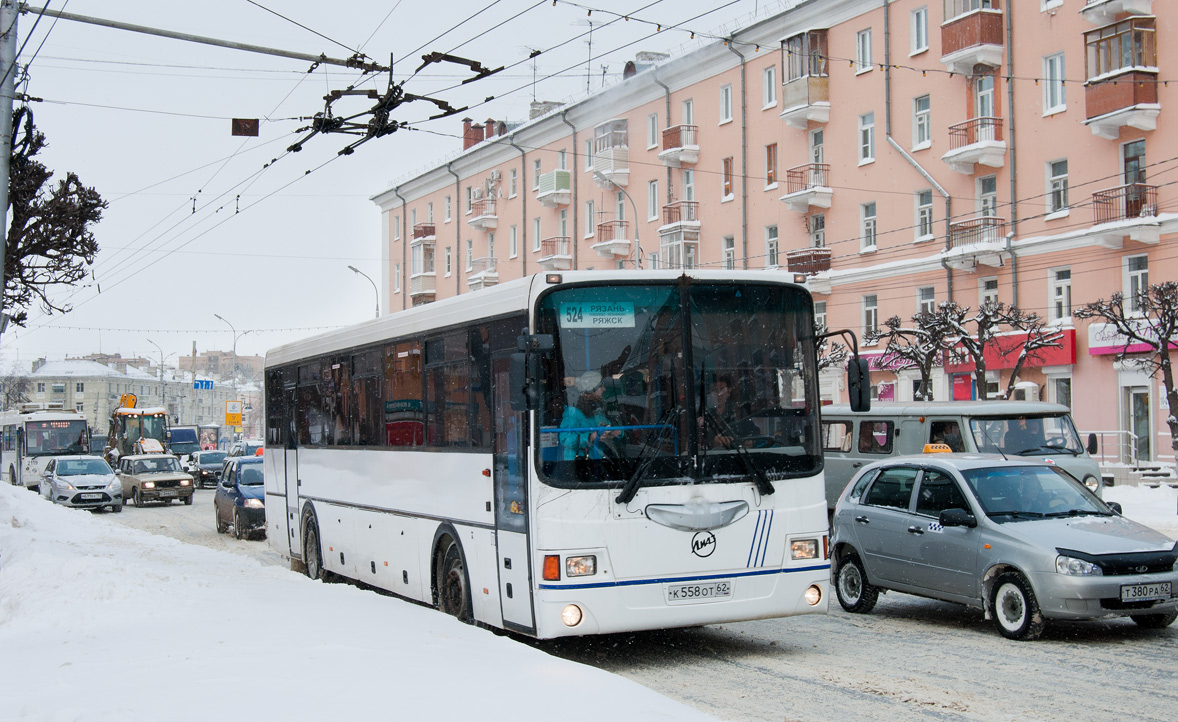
596 483
32 435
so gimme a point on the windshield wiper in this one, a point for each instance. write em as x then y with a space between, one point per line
1077 512
1017 514
645 458
733 444
1053 447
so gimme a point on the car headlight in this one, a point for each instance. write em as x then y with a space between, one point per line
580 566
1076 567
185 482
803 549
1092 483
149 485
115 485
253 504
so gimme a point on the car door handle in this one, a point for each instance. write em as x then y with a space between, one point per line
856 465
862 520
915 530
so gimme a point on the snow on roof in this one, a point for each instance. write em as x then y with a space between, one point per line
76 367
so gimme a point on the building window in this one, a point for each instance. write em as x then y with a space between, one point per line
562 222
988 196
1060 390
820 314
413 217
924 215
536 174
562 160
1136 281
79 388
771 259
867 226
590 219
729 253
688 184
725 103
1120 46
771 165
469 200
1053 84
988 290
769 87
688 111
922 134
866 138
926 300
863 51
653 260
469 254
449 264
727 189
1061 293
620 205
396 278
589 155
652 130
652 200
79 407
513 242
870 314
536 228
396 228
491 246
919 30
512 178
429 212
817 228
1057 186
446 207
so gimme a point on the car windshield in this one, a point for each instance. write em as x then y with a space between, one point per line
211 457
157 465
1026 435
1009 493
81 467
250 475
677 383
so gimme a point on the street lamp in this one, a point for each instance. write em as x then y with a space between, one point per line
374 288
637 252
163 400
236 336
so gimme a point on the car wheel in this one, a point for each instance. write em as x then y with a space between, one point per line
238 526
1015 610
855 593
138 499
188 501
453 586
312 556
116 507
1155 621
222 527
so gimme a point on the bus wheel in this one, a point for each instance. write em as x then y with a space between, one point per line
453 585
312 556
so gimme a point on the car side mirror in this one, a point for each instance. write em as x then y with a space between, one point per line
1115 506
1092 446
958 517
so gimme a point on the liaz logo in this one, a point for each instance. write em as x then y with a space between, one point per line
703 544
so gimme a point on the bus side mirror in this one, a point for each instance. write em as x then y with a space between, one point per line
517 376
1092 445
859 384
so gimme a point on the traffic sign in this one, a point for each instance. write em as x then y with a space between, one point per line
233 413
203 384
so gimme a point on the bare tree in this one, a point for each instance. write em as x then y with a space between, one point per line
1038 337
831 354
969 333
49 237
920 346
1152 321
14 388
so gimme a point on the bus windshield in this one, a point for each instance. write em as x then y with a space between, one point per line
679 382
55 438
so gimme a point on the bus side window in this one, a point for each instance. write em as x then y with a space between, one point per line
836 436
875 437
946 432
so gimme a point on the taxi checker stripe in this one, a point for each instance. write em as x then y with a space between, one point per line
685 580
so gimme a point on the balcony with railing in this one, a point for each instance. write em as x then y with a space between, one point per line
422 286
556 254
807 186
424 232
1103 12
977 140
1125 212
805 93
611 153
680 145
555 189
809 261
482 273
679 234
972 35
978 240
483 214
1122 77
612 239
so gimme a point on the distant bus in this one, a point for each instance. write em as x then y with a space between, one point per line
547 456
32 435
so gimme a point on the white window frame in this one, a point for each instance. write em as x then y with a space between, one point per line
863 52
820 313
769 87
537 171
513 183
924 216
513 242
449 261
1057 189
918 31
771 166
729 251
448 208
396 278
866 138
688 183
652 200
590 219
987 294
926 299
922 122
562 159
413 218
772 247
589 154
537 229
1054 90
728 177
870 306
1132 278
469 255
725 104
396 228
816 227
987 201
469 200
429 212
652 131
1059 294
868 227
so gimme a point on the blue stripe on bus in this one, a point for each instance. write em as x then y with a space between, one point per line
680 580
765 544
753 543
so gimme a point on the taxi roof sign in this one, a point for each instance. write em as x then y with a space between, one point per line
938 449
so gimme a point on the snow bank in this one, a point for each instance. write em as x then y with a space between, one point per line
1156 508
101 622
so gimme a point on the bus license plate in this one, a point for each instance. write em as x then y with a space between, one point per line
167 492
91 496
693 593
1145 592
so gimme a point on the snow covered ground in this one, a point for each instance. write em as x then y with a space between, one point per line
102 622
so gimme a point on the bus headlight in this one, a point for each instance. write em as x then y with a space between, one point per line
580 566
803 549
571 615
813 595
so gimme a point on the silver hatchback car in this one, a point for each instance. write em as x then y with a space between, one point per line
1021 539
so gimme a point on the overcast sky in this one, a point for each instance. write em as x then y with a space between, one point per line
146 121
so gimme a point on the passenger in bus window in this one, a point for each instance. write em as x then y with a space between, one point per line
583 414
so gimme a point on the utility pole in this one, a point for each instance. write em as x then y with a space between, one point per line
8 16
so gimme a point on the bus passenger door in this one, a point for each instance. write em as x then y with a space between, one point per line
290 471
511 504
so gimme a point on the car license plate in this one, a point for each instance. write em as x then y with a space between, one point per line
693 593
167 492
1145 592
90 496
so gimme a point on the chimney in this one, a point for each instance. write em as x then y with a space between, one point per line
471 134
38 364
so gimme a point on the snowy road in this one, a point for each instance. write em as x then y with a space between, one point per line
910 659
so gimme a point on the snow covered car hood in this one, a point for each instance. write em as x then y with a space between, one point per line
1090 534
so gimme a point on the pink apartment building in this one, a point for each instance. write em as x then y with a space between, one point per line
899 153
